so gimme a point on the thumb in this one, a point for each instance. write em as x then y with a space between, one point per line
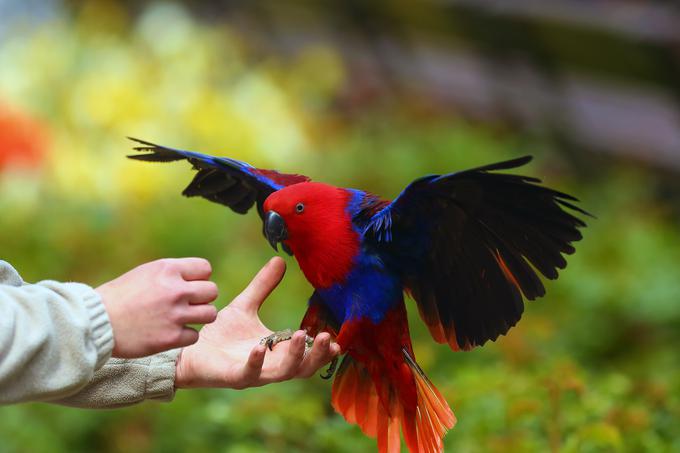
261 286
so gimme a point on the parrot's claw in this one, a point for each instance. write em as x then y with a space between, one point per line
284 335
277 337
309 341
331 369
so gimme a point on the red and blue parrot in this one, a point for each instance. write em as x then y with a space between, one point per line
466 246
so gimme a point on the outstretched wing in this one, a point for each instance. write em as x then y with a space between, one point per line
220 179
468 245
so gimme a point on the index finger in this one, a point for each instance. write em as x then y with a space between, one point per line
194 268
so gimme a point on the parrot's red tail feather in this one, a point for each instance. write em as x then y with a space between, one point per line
433 417
356 397
388 433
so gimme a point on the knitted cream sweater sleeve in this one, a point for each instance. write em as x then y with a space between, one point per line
122 382
55 345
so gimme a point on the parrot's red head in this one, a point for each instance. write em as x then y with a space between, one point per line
311 219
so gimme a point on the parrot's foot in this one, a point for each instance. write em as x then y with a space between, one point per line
284 335
276 338
331 369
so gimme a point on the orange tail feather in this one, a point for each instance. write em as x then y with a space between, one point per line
356 397
433 416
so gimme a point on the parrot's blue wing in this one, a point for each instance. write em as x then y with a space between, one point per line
465 243
230 182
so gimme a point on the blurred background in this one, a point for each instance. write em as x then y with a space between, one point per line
369 95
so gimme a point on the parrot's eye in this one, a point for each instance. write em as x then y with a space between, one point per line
299 208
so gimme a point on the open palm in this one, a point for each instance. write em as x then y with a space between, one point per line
228 351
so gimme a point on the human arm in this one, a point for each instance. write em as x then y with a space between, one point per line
227 354
54 336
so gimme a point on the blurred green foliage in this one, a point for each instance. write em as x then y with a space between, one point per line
594 366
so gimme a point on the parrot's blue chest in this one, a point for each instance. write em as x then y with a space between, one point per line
370 291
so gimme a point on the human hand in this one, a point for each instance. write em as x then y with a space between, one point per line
228 351
150 305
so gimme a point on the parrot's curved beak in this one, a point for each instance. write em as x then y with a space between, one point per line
275 230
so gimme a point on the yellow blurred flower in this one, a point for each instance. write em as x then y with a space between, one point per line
162 78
